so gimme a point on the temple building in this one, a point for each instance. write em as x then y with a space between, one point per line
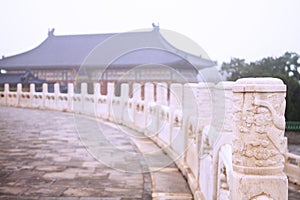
24 78
117 57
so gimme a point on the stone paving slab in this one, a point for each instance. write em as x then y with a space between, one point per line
43 157
167 181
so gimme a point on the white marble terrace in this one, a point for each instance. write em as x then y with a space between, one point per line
227 139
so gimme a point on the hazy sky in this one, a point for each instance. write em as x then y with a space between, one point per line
250 29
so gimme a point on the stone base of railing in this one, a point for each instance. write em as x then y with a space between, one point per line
251 186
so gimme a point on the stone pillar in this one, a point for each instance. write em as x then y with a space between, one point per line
124 96
97 89
176 96
84 89
32 91
45 88
19 87
149 92
162 94
136 97
189 111
6 92
136 91
97 94
124 102
204 97
70 97
149 98
56 89
56 95
110 90
6 88
125 91
198 141
222 116
222 124
32 88
259 145
45 92
19 93
110 95
83 107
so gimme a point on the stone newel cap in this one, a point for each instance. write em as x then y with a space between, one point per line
259 85
225 85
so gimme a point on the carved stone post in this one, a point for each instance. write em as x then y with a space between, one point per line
83 91
149 92
32 91
45 92
259 145
97 94
110 95
176 98
204 174
124 103
136 97
19 93
150 123
56 95
162 94
6 92
136 93
221 139
70 97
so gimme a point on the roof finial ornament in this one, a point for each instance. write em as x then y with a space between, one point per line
51 33
155 26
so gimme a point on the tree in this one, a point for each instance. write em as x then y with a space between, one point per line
286 68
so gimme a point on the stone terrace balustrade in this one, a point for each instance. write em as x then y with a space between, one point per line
227 139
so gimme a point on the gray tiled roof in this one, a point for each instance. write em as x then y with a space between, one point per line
72 51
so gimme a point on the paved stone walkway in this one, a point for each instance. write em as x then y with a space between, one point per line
43 157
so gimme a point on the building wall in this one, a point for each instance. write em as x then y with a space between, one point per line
137 74
63 75
141 74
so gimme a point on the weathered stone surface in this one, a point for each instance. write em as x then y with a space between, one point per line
42 157
259 146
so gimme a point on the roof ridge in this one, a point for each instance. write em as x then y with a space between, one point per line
92 34
98 34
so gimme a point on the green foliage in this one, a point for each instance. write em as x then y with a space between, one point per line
286 67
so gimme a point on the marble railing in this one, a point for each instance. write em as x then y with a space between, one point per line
227 139
292 168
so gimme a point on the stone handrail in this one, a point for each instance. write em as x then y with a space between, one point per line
292 168
195 127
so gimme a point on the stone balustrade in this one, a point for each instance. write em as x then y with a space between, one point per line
227 139
292 168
